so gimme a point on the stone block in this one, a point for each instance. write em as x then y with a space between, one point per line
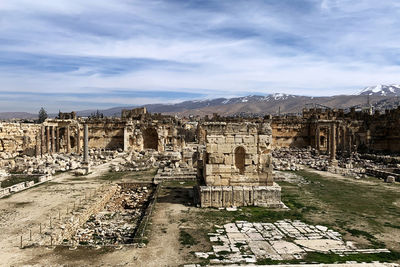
216 196
224 148
209 170
238 139
230 139
228 159
248 139
211 148
216 159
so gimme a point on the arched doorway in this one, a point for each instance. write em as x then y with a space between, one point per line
240 154
150 138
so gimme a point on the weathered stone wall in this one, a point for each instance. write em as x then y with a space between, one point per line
290 132
237 165
237 154
226 196
18 137
152 135
353 131
106 133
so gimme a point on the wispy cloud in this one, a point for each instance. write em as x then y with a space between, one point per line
80 53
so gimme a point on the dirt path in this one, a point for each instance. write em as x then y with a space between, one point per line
370 181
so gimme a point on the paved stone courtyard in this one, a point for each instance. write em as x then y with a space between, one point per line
246 242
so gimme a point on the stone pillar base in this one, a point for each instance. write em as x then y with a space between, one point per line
228 196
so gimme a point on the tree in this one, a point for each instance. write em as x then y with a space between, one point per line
42 115
97 115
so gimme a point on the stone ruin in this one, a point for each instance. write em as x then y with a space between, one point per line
237 166
225 153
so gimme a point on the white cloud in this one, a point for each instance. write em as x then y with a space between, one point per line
313 47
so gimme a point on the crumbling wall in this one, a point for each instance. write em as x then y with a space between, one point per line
106 133
290 132
18 137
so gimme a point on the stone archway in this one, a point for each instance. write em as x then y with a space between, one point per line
150 138
240 154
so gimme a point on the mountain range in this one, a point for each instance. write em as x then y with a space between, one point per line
379 96
382 90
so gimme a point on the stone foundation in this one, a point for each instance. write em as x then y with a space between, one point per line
228 196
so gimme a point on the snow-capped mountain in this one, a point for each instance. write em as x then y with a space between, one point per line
257 98
382 90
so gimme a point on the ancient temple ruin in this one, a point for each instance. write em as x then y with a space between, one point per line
237 166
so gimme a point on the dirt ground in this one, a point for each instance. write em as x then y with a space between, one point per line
24 211
177 229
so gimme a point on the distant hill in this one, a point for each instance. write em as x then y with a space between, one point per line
380 97
17 115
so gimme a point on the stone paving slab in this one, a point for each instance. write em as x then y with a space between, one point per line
245 242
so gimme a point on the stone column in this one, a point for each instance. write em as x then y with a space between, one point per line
48 139
37 148
57 139
343 140
126 139
67 138
333 145
86 144
78 139
53 141
42 142
350 141
317 138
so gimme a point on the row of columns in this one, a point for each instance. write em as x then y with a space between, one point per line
332 139
338 136
48 140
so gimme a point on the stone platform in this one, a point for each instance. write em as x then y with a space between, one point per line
228 196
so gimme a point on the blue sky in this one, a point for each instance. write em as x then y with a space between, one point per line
73 54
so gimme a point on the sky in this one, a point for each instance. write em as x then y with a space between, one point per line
75 55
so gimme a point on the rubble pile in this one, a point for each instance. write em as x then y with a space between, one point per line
289 159
100 156
117 223
290 177
356 165
175 172
136 161
52 163
144 160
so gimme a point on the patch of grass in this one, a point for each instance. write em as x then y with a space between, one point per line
372 239
343 202
186 239
16 179
358 233
113 176
387 224
251 214
335 258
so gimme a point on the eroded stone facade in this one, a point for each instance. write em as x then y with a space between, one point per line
237 165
